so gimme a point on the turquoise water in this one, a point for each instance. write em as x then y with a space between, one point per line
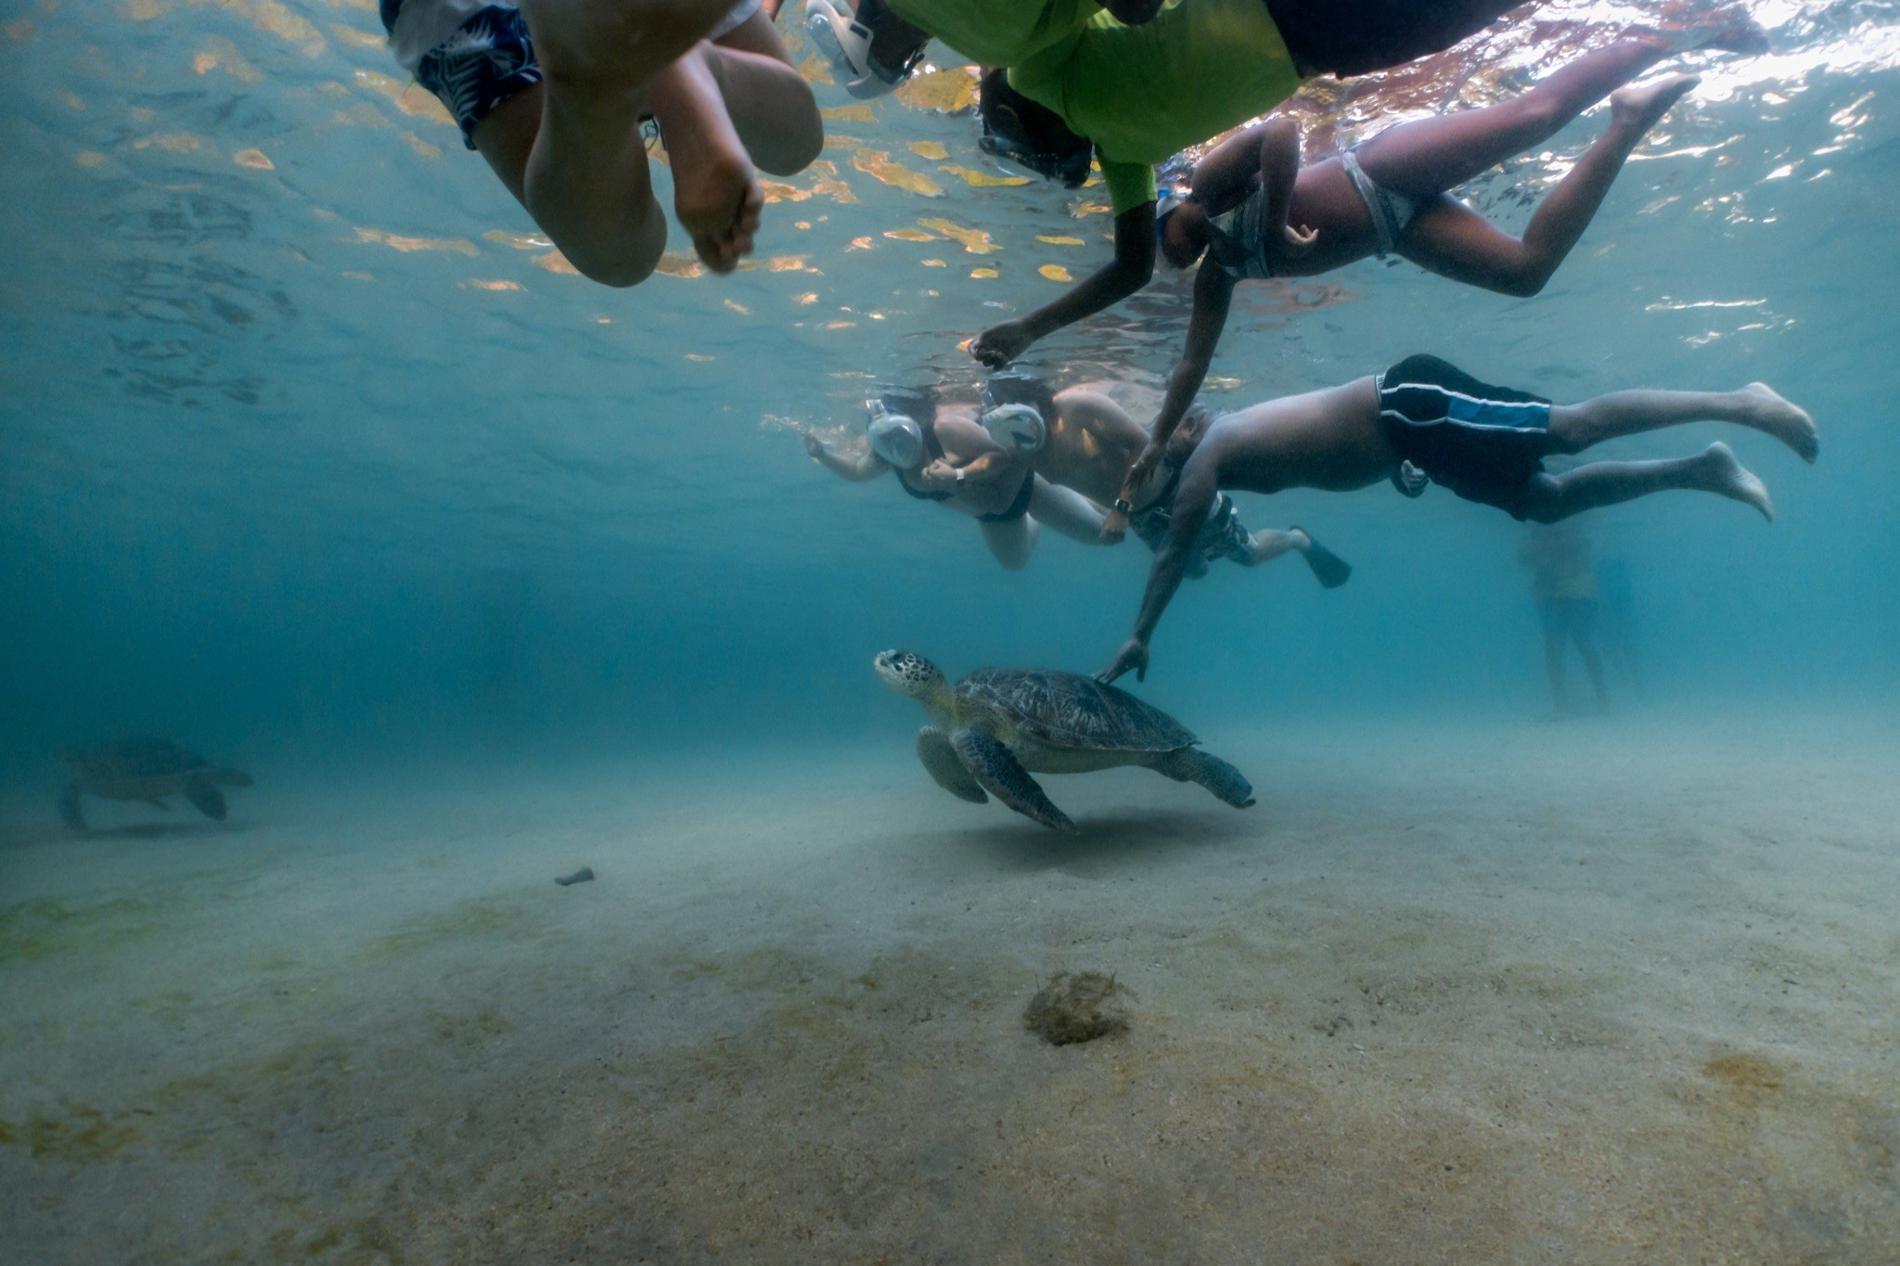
305 453
314 460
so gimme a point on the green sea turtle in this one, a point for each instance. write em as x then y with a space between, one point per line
145 769
991 729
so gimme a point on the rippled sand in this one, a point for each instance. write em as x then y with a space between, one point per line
1594 992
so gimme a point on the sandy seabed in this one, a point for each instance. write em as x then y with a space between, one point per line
1604 991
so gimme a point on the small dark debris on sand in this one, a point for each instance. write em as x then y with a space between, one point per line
580 876
1078 1008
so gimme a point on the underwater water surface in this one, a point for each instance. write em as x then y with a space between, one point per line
315 458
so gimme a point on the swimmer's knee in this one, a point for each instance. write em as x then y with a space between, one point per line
620 273
1544 501
802 139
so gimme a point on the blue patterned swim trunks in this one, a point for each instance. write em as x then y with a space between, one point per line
475 54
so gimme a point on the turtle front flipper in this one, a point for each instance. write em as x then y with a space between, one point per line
1191 764
206 798
934 750
1004 777
69 807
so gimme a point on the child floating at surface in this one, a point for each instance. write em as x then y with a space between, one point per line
1144 80
1424 420
1254 212
552 92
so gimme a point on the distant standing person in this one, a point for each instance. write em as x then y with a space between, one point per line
1425 421
1565 591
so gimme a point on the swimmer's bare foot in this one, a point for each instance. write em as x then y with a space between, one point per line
613 43
715 193
1640 106
1724 473
1768 410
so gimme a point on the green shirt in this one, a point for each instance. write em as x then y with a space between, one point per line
1144 93
998 32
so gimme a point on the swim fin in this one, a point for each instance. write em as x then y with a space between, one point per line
1329 569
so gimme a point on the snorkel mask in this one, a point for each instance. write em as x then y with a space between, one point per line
1030 135
1018 406
1017 427
897 439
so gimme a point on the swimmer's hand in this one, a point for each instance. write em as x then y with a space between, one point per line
1295 242
939 473
814 446
1134 654
1410 480
1001 344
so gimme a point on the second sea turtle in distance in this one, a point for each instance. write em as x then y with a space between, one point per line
145 769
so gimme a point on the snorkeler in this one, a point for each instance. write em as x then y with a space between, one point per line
1141 80
948 456
1254 212
1425 421
557 115
1082 440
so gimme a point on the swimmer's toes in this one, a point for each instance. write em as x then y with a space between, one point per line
1736 481
1787 421
1644 104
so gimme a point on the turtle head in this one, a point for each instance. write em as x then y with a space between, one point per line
909 673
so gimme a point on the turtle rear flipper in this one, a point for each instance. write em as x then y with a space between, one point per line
940 759
69 807
991 764
1191 764
206 798
231 777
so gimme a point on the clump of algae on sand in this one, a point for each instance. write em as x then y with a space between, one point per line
1078 1008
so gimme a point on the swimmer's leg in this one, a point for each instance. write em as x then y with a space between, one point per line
1583 626
1454 241
1428 156
1269 543
580 166
1011 542
1575 427
1554 618
770 103
1066 511
1715 469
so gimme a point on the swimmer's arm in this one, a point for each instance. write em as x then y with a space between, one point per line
1279 159
1096 414
1129 271
992 462
863 466
1193 502
1225 173
1213 293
